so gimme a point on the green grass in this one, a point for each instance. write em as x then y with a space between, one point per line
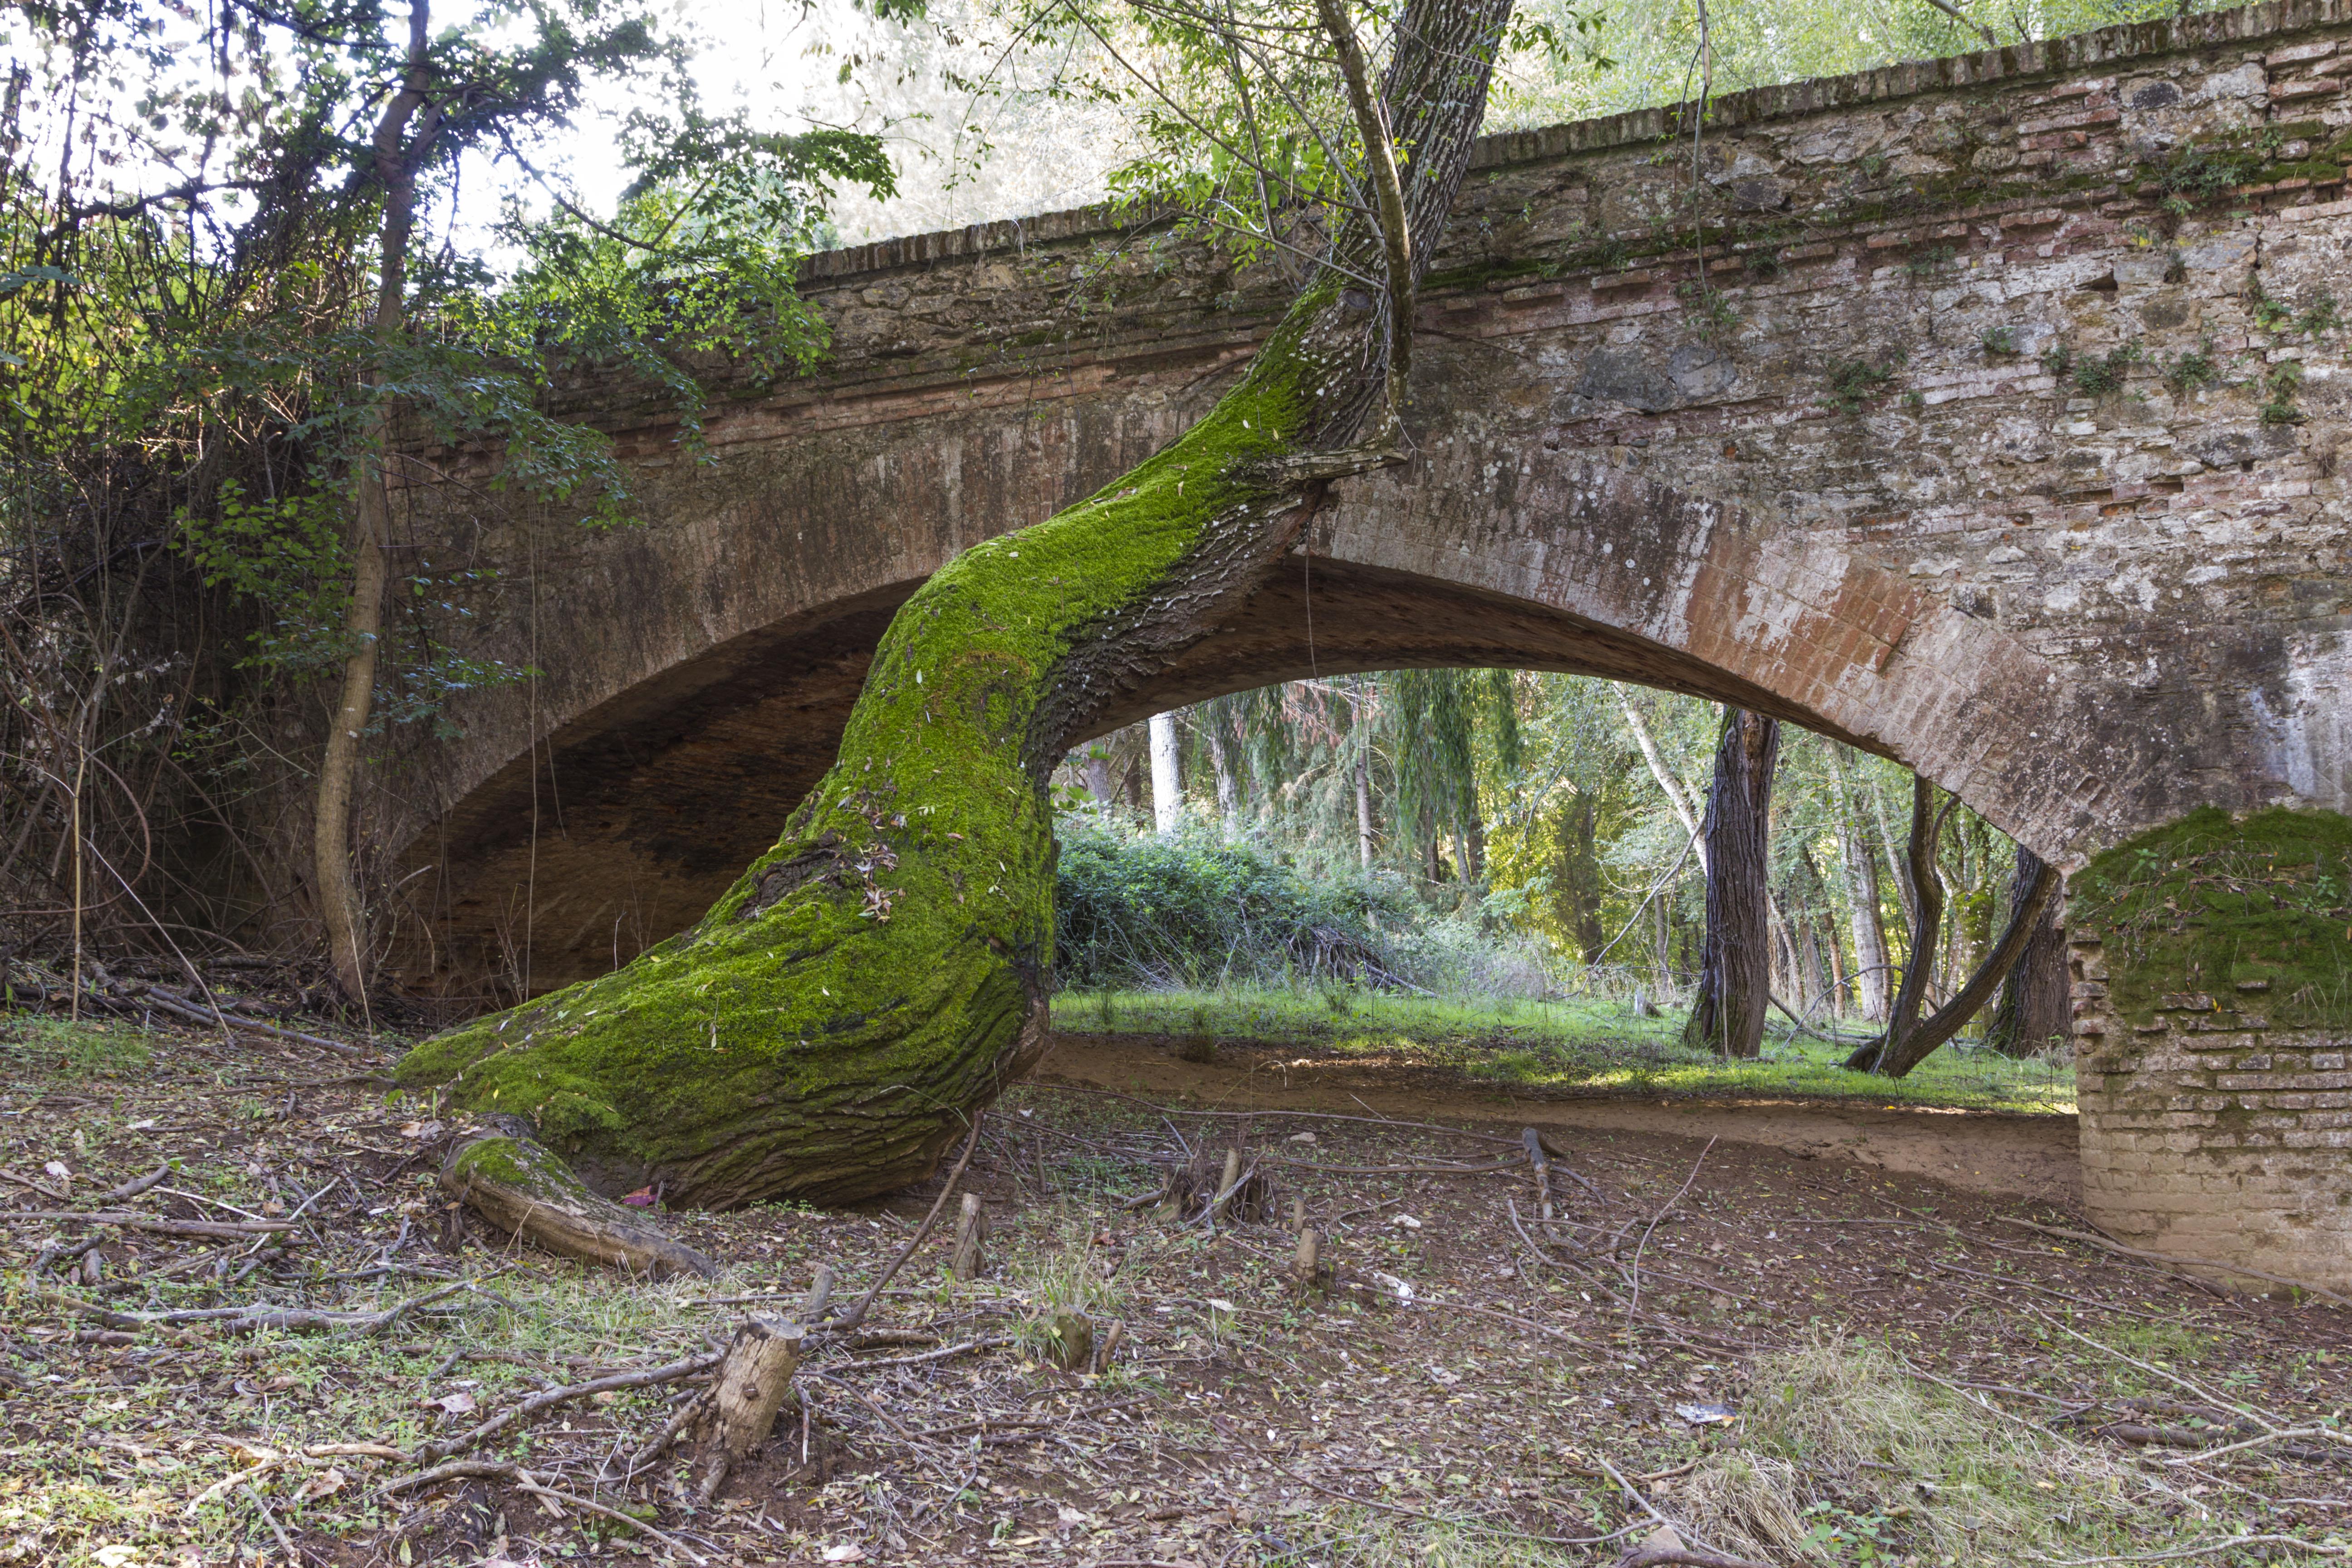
1562 1047
66 1051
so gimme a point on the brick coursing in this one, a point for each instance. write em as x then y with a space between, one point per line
2208 1134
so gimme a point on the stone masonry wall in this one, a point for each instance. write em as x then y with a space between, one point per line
2207 1134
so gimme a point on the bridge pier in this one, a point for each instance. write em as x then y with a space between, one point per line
2211 1044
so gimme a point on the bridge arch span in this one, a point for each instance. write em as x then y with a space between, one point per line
1910 451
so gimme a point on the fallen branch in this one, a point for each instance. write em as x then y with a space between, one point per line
548 1399
217 1230
857 1314
2117 1247
128 1190
940 1355
248 1318
494 1469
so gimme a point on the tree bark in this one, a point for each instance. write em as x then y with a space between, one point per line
1677 797
1229 804
1899 1056
1736 955
1580 877
394 165
1873 978
824 1030
1926 915
1166 775
2035 1001
1363 809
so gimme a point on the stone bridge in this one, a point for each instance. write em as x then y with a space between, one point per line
1998 429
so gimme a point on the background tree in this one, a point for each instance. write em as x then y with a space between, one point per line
1728 1013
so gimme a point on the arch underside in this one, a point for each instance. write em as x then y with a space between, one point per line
641 811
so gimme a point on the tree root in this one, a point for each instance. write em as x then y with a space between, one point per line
524 1190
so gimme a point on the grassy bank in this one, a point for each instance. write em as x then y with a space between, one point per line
1562 1047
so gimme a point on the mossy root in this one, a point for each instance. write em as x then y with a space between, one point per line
524 1190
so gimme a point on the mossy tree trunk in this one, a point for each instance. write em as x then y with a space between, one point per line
823 1031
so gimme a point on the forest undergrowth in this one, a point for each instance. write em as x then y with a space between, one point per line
244 1324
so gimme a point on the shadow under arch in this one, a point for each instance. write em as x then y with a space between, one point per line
662 793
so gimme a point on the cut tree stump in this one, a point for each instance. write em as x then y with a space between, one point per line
523 1189
971 1228
1107 1348
1073 1345
746 1392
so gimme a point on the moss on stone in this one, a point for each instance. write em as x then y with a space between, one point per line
2255 913
821 1031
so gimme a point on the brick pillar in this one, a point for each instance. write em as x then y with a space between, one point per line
2209 1134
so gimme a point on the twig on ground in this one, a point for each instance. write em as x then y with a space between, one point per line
548 1399
2174 1259
857 1314
1636 1299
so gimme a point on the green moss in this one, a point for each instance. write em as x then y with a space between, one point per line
2255 913
821 1031
1484 273
512 1163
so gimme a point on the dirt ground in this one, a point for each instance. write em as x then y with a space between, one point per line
1996 1154
1797 1337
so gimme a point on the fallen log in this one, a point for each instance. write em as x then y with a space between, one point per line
521 1188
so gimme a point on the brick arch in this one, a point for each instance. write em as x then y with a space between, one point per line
1564 562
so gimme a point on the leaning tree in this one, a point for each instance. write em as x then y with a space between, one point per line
826 1030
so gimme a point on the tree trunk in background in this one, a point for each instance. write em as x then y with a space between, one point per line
1580 877
826 1031
1906 885
1927 929
1229 804
1677 797
1873 980
2036 1004
1784 948
1167 774
339 909
1901 1053
1363 809
1736 955
1098 777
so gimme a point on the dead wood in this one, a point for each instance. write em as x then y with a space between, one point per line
548 1399
1071 1341
1107 1348
217 1230
253 1319
1680 1557
857 1314
747 1392
969 1258
1222 1187
132 1189
1539 1161
524 1190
